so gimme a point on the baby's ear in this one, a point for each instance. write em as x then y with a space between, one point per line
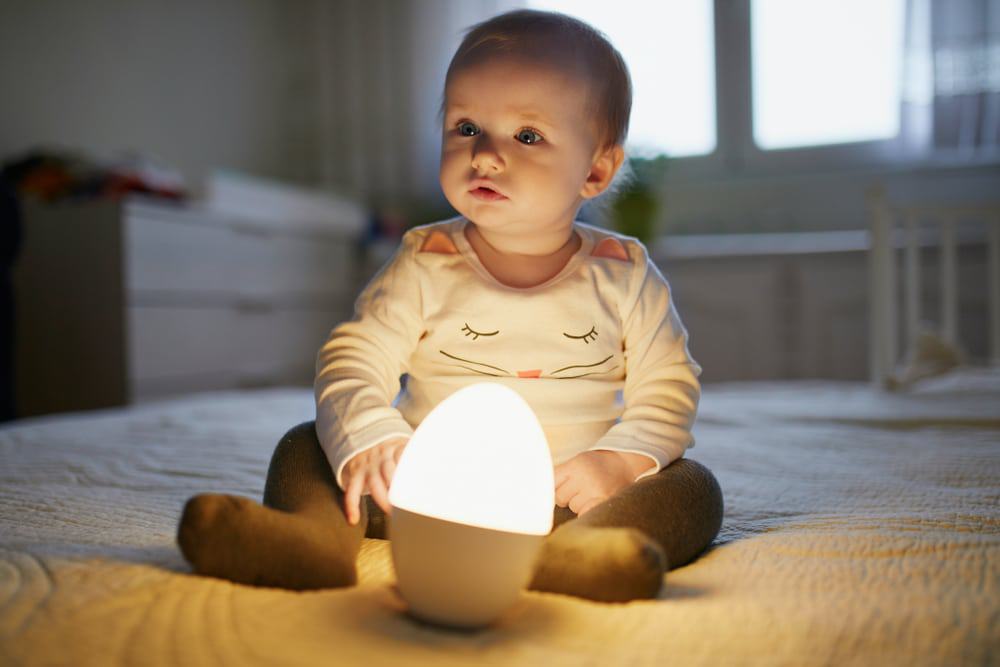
611 248
602 170
440 243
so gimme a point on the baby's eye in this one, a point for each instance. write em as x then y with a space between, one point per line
529 136
586 338
469 331
467 129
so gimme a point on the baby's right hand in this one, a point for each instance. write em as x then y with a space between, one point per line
371 471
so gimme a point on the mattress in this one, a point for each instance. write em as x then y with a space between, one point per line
860 528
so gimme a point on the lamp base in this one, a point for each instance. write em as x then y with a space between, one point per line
455 574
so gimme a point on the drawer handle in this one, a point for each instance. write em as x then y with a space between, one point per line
253 230
257 381
254 306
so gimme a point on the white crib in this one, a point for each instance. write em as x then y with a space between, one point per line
908 228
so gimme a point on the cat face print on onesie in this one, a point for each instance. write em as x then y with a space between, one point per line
531 339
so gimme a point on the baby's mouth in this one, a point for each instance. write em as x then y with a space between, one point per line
487 194
484 190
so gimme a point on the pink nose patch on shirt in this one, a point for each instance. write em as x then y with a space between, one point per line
529 374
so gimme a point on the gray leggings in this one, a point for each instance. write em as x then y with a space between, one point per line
680 507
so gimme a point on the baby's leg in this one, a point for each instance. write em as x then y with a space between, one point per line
299 538
620 549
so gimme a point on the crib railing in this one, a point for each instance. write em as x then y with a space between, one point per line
909 228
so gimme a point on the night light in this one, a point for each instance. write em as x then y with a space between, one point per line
472 500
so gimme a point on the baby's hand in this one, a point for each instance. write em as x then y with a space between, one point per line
589 478
371 471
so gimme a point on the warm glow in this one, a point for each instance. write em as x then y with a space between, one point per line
479 458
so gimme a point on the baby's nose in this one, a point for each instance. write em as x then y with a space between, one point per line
485 157
529 374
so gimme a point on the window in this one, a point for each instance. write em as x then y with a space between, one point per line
825 72
669 49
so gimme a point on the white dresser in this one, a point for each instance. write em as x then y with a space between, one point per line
119 302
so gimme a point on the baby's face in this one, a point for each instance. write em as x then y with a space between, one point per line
525 129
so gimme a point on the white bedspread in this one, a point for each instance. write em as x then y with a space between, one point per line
860 529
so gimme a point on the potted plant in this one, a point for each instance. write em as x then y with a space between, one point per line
635 205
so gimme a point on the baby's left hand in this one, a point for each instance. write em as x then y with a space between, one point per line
589 478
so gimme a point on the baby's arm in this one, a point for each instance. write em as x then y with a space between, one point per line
359 366
661 378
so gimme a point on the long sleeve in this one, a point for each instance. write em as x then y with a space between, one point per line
359 366
661 389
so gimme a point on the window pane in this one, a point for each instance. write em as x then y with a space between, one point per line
825 72
669 49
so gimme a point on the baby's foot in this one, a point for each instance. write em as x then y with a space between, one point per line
603 564
237 539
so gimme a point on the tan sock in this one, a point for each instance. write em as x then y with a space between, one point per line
603 564
240 540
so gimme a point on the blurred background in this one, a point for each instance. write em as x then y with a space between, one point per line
194 192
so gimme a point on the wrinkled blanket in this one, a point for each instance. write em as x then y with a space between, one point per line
861 528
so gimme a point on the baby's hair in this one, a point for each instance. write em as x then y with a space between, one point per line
565 42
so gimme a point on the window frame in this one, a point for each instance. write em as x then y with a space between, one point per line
737 154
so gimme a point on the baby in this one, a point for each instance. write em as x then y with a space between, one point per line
575 318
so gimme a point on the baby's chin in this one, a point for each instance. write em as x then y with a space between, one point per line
487 214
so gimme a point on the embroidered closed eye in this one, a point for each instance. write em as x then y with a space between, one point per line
469 331
586 338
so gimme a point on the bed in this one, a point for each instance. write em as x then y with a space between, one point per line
861 527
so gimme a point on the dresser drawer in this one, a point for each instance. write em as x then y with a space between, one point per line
168 256
226 346
316 265
150 389
277 345
171 341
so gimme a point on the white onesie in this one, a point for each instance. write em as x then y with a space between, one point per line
598 351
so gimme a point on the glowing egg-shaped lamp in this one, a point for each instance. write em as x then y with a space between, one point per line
472 500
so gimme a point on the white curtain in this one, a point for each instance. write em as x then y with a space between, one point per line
951 98
382 66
